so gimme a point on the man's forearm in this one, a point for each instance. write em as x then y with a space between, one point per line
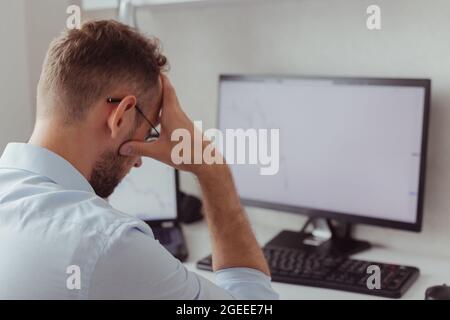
233 242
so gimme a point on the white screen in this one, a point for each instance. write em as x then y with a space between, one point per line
148 192
344 148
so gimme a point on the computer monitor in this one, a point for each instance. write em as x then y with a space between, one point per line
148 193
351 149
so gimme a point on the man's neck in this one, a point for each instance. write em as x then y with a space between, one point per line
67 142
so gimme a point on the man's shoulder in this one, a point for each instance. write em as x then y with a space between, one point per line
43 202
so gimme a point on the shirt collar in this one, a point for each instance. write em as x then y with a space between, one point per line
46 163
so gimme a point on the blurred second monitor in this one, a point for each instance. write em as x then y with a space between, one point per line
148 193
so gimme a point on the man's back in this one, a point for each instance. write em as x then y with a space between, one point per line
52 226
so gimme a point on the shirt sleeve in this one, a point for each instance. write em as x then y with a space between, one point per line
136 266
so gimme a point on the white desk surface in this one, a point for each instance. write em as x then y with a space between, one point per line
433 270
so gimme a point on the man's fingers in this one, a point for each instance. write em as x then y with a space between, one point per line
158 149
146 149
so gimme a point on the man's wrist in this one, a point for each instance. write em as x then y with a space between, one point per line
211 171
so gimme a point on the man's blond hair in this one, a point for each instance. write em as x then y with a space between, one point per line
85 65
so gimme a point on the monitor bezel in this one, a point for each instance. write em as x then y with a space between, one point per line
348 217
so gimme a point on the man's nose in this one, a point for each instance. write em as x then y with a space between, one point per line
138 163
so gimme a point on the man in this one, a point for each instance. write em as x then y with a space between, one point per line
101 91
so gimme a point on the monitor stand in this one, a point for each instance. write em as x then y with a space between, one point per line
325 237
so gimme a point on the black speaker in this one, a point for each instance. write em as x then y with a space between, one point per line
190 208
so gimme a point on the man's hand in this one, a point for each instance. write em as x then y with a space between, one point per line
233 242
172 118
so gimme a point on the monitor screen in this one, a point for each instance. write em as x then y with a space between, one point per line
148 193
348 147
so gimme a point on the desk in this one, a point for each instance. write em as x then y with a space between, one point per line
433 270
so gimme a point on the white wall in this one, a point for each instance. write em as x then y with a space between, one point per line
15 118
26 29
45 19
325 37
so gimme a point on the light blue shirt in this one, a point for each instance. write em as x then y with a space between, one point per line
59 240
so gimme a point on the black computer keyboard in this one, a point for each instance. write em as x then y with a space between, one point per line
332 272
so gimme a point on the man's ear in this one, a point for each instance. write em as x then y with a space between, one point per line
122 117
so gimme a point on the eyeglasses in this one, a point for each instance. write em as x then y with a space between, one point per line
153 133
